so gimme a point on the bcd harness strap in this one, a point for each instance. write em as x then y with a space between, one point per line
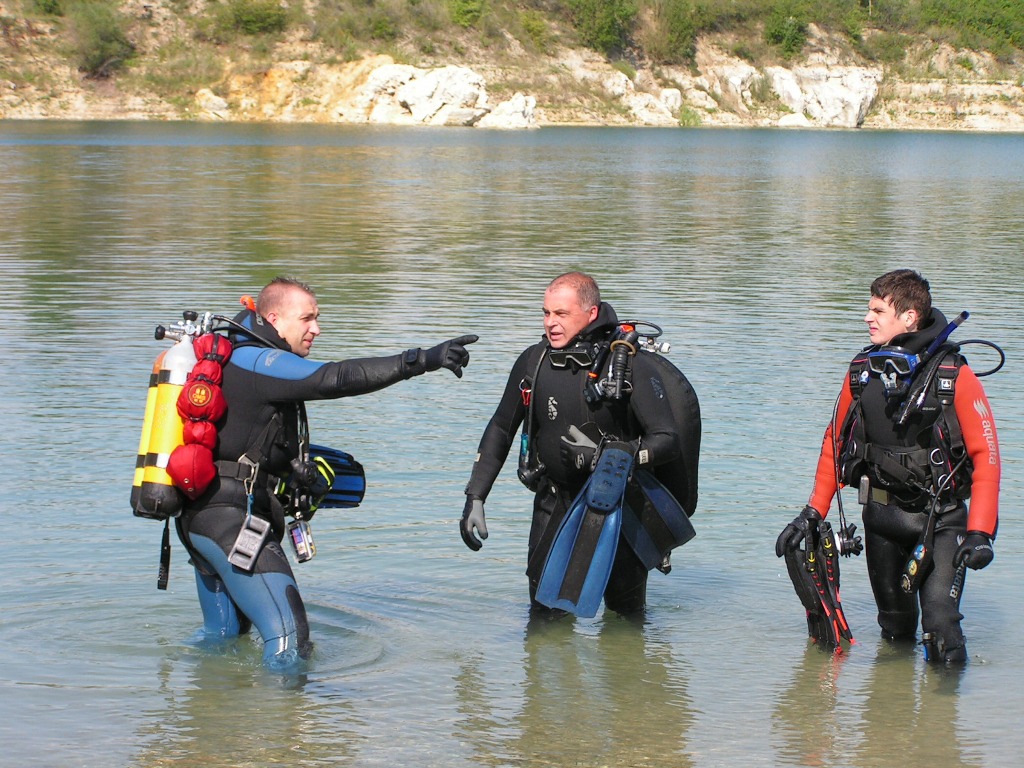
530 475
920 469
531 472
248 468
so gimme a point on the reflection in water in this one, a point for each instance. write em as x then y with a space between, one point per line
805 715
228 712
908 713
615 697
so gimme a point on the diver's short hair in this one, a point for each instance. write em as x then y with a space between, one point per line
273 293
904 289
587 292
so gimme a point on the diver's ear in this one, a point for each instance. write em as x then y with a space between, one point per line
911 319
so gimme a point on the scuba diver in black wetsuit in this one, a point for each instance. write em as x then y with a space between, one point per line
265 383
566 427
913 430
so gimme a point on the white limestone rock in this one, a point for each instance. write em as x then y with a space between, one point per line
649 110
431 95
211 104
515 113
828 96
672 98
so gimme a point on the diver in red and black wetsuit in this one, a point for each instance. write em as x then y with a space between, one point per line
896 430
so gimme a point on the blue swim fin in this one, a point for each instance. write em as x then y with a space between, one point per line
580 561
349 478
653 521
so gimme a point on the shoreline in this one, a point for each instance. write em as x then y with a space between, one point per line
961 92
1004 131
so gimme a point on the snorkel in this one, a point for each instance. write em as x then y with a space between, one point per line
920 390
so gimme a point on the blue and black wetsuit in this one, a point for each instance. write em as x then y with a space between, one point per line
265 385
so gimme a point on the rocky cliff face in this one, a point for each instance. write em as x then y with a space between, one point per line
826 88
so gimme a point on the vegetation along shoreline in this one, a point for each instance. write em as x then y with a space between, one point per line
873 64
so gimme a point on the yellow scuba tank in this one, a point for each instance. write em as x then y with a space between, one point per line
157 497
147 429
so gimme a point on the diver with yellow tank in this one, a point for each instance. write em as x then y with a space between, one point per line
232 519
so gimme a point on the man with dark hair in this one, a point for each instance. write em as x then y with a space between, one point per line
266 381
914 432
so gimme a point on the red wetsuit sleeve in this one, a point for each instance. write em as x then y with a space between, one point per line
979 431
825 486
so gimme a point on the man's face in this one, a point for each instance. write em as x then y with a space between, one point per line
884 323
564 318
296 321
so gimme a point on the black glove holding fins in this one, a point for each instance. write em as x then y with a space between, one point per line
975 551
309 483
794 533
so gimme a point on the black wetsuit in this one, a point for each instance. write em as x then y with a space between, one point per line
265 385
558 402
893 527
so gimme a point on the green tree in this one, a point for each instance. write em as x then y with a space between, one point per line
786 27
604 25
674 40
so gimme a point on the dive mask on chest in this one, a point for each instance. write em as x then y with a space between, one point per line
576 357
895 366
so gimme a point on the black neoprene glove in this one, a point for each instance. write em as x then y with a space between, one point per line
975 551
473 519
451 354
796 531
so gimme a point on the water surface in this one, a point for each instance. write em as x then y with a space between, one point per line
753 249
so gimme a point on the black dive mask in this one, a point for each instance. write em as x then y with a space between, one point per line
577 357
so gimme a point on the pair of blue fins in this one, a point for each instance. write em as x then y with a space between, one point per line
616 502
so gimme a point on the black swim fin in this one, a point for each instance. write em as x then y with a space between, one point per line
349 485
580 560
814 571
653 521
829 554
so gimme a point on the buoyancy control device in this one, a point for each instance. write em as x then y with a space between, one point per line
609 378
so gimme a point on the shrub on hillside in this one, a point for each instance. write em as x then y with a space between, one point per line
786 27
257 17
48 7
466 13
603 25
99 44
978 22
